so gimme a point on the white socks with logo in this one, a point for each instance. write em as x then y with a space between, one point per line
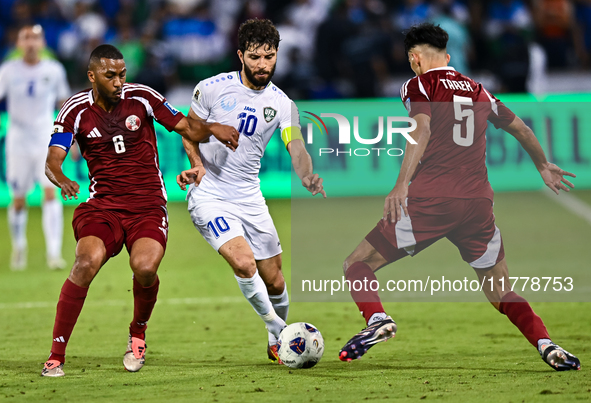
53 227
255 291
281 305
376 317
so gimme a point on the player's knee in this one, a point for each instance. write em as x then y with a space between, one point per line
48 194
244 266
85 267
144 269
18 204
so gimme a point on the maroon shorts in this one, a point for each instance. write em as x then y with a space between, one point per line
468 223
116 227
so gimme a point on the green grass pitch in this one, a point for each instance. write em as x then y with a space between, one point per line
206 344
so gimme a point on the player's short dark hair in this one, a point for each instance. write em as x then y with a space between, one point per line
425 34
105 51
255 32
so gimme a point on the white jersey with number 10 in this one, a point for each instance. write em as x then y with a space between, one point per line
256 115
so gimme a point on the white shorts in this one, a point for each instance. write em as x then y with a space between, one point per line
219 221
24 170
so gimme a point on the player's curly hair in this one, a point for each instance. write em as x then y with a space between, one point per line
255 32
425 34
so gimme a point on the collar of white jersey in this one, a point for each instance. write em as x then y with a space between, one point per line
257 91
441 68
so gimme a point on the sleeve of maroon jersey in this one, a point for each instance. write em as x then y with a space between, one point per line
66 118
164 113
415 98
500 116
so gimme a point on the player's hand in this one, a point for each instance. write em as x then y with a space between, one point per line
394 201
70 189
193 175
314 184
227 135
553 177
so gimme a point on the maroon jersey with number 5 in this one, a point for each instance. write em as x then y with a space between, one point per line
120 146
454 162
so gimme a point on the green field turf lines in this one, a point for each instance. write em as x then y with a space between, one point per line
205 343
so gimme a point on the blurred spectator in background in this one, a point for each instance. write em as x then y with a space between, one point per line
453 17
329 48
509 30
558 32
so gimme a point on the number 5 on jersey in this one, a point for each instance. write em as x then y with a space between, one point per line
119 144
461 113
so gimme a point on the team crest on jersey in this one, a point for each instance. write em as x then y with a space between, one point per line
196 95
58 129
133 123
269 113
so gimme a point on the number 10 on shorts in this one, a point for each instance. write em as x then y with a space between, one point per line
218 226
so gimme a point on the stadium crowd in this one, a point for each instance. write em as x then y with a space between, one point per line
330 48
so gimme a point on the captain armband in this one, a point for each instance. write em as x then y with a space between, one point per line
291 133
62 140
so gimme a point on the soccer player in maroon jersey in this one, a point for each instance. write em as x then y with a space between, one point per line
449 194
113 124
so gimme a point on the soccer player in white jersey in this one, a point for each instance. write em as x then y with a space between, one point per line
227 206
33 87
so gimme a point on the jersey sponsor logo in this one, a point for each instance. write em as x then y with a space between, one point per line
133 123
269 113
58 129
228 103
171 108
94 133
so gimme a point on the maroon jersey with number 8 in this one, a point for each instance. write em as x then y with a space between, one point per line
120 146
454 162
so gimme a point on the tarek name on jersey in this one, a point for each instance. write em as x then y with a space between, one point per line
256 115
32 92
454 162
119 147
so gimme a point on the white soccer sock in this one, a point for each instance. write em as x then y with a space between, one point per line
376 317
53 227
281 306
255 291
17 221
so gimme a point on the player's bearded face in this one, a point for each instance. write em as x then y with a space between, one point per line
109 78
259 65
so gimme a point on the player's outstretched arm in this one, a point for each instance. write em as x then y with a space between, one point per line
53 171
552 175
412 155
197 171
194 128
302 164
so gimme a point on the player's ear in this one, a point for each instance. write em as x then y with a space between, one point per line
90 75
240 56
448 58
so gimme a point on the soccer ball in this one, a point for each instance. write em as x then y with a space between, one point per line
300 345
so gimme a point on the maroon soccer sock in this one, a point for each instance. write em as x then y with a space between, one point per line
367 301
68 309
144 299
521 315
